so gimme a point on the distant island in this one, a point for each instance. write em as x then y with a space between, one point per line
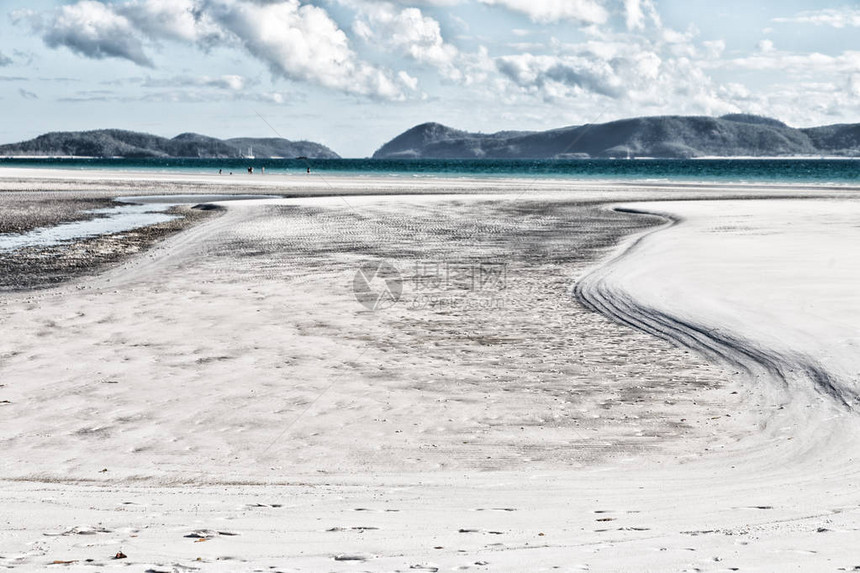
130 144
670 137
666 137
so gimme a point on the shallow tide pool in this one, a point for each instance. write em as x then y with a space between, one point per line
132 213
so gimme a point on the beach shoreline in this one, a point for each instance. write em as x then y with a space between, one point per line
20 178
232 383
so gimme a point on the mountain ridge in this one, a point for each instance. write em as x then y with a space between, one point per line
670 137
137 145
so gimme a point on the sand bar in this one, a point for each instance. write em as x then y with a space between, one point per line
235 391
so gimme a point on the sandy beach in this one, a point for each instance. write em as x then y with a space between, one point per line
576 375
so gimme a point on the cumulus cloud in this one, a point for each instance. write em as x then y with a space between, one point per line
301 41
809 88
854 85
837 18
629 62
803 103
91 29
766 46
796 64
623 76
410 32
182 20
545 11
297 41
608 68
637 12
714 48
555 76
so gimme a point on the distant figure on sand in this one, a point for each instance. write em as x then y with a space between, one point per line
251 170
262 170
309 170
219 172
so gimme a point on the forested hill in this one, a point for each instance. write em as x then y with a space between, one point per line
119 143
659 137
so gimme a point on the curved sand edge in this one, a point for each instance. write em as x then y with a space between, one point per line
629 514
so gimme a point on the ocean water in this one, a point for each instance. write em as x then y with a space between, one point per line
752 170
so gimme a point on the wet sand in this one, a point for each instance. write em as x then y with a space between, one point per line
226 385
39 267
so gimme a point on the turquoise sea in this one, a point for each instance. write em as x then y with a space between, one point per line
762 170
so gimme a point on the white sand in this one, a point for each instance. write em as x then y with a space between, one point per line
228 382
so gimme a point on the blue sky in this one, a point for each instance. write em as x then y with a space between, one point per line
354 73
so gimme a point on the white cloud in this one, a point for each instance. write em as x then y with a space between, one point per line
418 35
428 2
5 60
794 64
803 103
638 11
714 49
301 42
559 76
837 18
854 85
407 80
671 36
766 46
735 92
182 20
628 63
410 32
297 41
544 11
226 82
809 88
91 29
625 76
272 97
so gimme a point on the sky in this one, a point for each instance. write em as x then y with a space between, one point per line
352 74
